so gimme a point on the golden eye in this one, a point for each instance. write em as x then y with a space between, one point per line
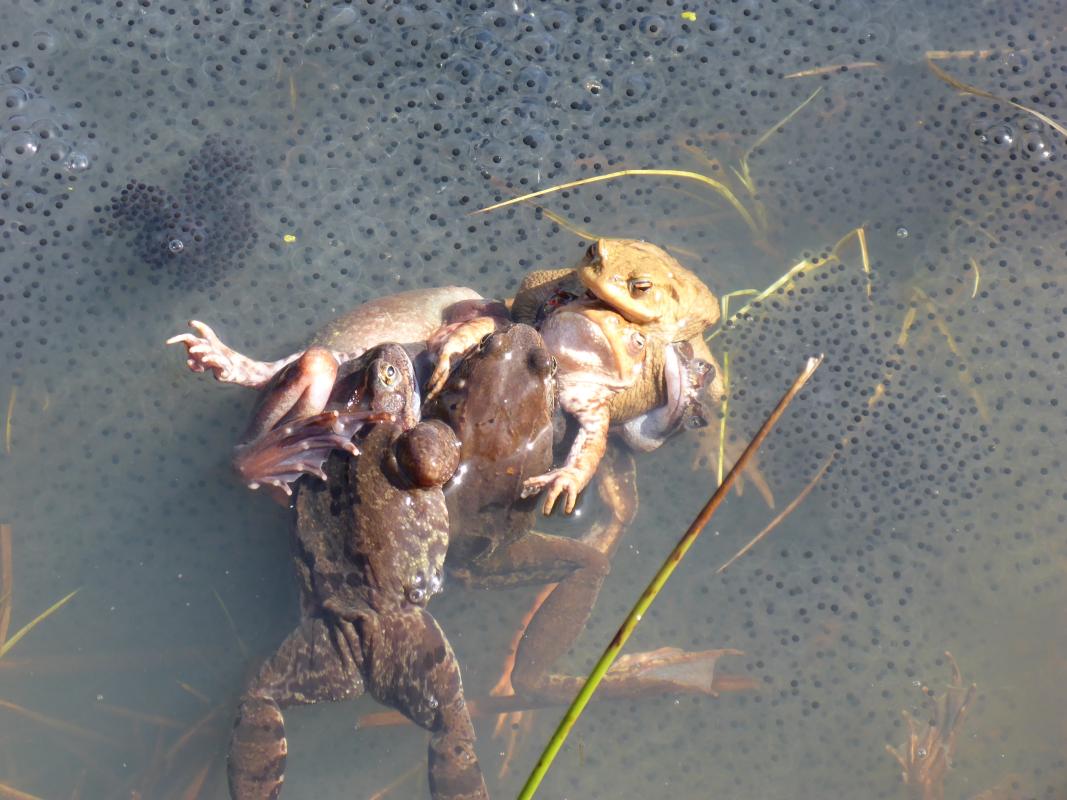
639 285
388 374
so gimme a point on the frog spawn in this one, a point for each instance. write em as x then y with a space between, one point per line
203 232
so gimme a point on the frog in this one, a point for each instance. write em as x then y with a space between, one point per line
629 301
637 279
379 385
369 546
306 405
501 402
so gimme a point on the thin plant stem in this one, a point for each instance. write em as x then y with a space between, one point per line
29 626
6 580
657 583
718 186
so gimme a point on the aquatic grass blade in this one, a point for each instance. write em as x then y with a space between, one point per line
657 583
6 580
721 188
967 88
29 626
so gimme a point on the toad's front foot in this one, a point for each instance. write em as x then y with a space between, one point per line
565 482
299 448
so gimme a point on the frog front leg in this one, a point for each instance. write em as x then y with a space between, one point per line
410 666
206 351
313 664
590 408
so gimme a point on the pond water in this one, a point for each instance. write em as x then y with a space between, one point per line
288 161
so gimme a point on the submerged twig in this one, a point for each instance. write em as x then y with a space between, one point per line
493 705
233 625
397 782
955 83
139 716
789 509
56 724
6 580
15 794
831 68
926 757
10 415
657 583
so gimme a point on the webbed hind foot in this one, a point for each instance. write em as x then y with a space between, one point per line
285 454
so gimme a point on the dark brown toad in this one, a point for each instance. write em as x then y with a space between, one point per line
369 545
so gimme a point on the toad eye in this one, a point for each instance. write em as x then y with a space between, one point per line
638 286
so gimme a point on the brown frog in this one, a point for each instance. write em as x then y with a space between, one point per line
370 546
612 319
500 401
309 402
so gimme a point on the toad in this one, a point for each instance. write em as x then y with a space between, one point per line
312 399
610 321
370 546
500 402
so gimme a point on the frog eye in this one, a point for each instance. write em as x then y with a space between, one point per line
388 374
639 286
491 344
416 595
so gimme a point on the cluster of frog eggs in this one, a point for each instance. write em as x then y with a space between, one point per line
208 223
36 136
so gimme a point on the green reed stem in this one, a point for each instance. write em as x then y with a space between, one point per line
657 583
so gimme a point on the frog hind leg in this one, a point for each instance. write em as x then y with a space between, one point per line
301 389
280 457
313 664
411 667
561 617
576 567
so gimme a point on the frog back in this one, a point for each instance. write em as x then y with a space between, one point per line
404 317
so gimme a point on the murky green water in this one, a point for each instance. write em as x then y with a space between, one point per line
372 131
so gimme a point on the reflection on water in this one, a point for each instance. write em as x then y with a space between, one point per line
358 138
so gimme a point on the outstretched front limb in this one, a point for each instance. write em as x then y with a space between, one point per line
206 351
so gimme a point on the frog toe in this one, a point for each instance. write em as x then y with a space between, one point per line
285 454
555 484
